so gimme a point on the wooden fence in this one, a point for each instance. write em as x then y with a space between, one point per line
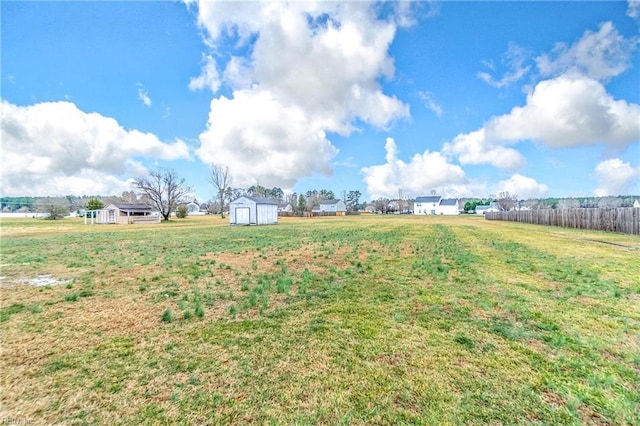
621 219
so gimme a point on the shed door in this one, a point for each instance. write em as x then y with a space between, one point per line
242 215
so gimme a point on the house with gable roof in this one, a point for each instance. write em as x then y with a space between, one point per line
331 206
436 205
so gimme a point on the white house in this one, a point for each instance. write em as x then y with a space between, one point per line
487 209
426 205
636 204
448 206
332 206
436 205
285 208
193 209
127 213
253 211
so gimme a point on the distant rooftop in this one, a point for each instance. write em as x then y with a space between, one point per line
431 199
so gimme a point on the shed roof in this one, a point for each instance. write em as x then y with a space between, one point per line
134 206
259 200
431 199
448 201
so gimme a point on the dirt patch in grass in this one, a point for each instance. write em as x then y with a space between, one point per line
554 400
38 281
315 257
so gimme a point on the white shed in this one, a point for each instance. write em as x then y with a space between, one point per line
253 211
126 213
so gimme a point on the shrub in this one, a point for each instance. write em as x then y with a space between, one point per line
55 212
199 310
182 212
167 316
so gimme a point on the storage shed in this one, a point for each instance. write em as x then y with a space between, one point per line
253 211
127 213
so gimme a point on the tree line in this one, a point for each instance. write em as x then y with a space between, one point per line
167 192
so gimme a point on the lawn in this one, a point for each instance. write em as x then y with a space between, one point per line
343 320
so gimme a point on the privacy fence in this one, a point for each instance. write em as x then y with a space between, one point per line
621 219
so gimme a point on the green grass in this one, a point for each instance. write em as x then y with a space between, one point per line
358 320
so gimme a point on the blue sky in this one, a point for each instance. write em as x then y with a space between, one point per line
465 98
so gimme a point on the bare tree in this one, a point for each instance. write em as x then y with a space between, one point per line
381 205
221 180
402 200
506 201
164 189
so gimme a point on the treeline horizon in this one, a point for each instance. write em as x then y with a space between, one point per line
73 202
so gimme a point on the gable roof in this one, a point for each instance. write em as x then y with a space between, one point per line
330 202
431 199
449 202
259 200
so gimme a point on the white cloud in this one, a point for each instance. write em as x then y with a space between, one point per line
143 95
54 146
600 55
238 73
314 65
430 102
616 177
633 9
522 186
208 78
407 13
228 18
349 163
474 148
263 141
424 172
514 58
567 111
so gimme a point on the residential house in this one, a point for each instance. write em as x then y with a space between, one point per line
436 205
331 206
426 205
285 208
127 213
487 209
193 208
449 206
370 209
247 210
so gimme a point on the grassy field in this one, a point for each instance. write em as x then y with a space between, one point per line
344 320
